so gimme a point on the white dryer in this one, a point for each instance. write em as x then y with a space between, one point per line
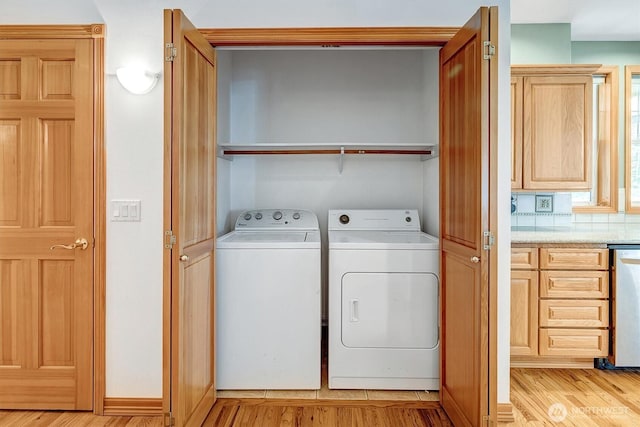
383 301
268 302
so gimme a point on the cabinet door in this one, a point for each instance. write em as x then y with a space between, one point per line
524 313
557 141
516 132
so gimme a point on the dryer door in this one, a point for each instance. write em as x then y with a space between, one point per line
390 310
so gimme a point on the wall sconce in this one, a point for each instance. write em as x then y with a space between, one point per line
137 80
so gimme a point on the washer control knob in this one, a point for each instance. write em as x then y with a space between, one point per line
258 215
277 215
344 219
296 215
408 219
247 216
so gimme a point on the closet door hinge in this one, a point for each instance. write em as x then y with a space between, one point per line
488 239
489 49
169 239
169 421
170 52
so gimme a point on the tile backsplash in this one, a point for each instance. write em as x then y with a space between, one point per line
541 209
549 209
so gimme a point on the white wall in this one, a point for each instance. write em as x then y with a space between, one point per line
134 147
329 95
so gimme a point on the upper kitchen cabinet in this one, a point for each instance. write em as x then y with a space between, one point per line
551 127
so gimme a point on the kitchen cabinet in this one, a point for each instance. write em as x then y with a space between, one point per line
551 108
559 305
524 301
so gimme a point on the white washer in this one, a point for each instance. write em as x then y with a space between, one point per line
268 302
383 301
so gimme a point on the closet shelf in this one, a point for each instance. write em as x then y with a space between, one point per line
425 151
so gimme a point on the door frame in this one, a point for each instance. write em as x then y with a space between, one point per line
95 32
354 36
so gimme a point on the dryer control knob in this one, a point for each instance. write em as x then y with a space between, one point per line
247 216
258 216
277 215
344 219
296 215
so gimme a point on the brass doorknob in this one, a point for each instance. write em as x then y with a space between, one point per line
81 243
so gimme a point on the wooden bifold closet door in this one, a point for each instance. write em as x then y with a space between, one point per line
192 81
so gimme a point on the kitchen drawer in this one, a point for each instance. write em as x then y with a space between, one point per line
574 284
524 258
574 342
574 259
574 313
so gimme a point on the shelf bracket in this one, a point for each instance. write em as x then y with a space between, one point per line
341 160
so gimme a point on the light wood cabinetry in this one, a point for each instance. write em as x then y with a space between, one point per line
524 312
559 305
524 301
551 109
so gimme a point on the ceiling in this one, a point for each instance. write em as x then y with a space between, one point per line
602 20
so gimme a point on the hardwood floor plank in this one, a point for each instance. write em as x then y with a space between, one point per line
287 416
306 415
344 417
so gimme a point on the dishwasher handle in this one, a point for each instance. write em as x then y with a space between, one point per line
634 261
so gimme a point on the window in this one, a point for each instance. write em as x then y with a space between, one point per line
603 196
632 138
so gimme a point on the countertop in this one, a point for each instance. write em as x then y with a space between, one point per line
609 233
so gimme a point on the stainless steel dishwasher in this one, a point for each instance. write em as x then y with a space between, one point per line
625 305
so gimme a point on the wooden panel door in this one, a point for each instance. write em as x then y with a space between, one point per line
468 97
524 313
557 132
46 199
191 100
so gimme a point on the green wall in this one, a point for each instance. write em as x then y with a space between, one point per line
541 43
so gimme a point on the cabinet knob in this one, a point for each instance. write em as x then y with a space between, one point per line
475 259
184 258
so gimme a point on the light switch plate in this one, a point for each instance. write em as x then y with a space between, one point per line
125 210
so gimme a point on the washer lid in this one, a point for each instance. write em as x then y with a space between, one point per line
269 239
389 240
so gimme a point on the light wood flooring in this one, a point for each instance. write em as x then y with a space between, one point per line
319 413
72 419
590 397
